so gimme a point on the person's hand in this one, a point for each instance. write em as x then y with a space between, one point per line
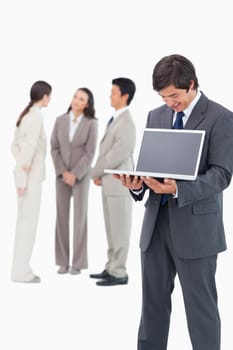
167 186
26 168
130 181
69 178
97 182
21 191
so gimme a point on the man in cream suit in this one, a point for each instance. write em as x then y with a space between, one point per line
116 152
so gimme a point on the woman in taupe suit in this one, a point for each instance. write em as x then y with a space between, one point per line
73 144
29 149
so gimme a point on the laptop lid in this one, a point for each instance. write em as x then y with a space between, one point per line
168 153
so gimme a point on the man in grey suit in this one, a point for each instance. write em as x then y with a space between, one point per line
116 152
183 230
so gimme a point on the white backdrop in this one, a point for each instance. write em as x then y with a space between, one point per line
76 43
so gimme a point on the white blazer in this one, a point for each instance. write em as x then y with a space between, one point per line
29 148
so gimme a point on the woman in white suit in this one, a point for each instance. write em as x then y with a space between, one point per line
29 149
73 145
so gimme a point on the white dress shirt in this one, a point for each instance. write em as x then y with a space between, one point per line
74 124
188 110
119 111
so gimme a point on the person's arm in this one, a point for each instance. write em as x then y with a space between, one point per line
27 143
29 136
135 185
218 174
58 162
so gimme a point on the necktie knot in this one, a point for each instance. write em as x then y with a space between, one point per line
179 122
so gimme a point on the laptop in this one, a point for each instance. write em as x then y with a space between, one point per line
167 153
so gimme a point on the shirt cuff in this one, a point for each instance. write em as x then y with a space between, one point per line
137 192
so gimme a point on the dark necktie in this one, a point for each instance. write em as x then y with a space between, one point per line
110 121
177 125
179 121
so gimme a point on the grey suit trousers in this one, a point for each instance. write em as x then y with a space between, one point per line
160 264
79 192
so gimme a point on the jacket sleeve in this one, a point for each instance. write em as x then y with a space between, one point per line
24 147
218 174
59 165
140 195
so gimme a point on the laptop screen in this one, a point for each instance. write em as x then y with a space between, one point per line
170 153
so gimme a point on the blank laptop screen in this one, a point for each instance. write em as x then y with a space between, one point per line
170 151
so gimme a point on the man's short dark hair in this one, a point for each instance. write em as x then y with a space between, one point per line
174 70
126 86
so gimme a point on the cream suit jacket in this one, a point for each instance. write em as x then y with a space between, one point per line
29 148
116 152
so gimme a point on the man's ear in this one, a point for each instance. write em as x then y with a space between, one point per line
125 96
191 85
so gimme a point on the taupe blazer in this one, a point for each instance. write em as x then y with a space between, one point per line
116 152
29 148
75 156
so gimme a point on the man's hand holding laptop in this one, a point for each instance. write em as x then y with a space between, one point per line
135 183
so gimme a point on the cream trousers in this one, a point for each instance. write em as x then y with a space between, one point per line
25 233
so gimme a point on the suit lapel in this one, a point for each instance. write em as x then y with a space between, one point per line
78 131
167 118
114 123
119 118
66 127
198 113
196 117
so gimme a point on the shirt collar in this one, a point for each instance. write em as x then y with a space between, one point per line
35 107
71 114
119 111
189 109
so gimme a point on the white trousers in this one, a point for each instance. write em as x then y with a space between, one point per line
25 233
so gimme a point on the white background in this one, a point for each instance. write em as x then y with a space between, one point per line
76 43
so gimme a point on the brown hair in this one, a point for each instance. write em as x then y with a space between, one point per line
89 111
37 92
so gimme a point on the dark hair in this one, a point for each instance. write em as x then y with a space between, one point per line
126 86
37 92
89 111
174 70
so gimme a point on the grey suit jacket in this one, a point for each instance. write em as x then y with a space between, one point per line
75 156
116 152
196 216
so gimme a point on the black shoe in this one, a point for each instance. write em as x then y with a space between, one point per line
103 274
112 281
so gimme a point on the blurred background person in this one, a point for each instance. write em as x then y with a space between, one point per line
116 152
73 145
29 151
